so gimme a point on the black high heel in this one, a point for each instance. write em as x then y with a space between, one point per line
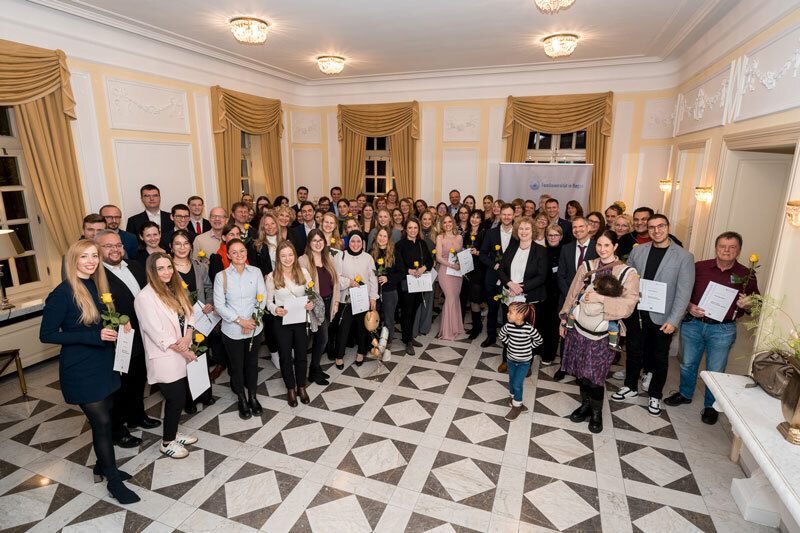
121 493
359 363
340 366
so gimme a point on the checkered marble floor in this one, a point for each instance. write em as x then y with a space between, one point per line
413 444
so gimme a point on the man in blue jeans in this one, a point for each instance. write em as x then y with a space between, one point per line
702 334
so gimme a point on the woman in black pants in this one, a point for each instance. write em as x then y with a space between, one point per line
477 278
261 253
318 262
285 283
71 318
413 258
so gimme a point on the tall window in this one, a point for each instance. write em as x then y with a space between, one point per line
378 175
557 148
19 211
247 163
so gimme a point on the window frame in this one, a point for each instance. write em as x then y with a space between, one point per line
555 154
247 156
377 155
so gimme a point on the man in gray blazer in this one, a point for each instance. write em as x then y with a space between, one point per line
648 333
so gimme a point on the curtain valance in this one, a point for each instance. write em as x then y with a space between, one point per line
379 120
252 114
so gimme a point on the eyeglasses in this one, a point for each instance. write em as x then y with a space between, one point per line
554 236
182 217
657 227
111 246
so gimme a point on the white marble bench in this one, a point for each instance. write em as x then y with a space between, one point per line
771 495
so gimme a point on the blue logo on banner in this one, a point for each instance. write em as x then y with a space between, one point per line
534 185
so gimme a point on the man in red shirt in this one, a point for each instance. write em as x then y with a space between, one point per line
702 334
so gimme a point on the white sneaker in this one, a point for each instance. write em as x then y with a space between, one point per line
624 394
619 374
654 407
174 449
646 379
185 439
275 360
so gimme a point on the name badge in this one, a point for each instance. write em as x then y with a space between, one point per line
555 269
732 281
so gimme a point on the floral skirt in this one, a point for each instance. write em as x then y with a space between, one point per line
586 358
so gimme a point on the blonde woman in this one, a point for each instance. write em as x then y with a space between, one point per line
384 220
167 324
452 322
406 205
71 318
286 282
286 217
239 292
330 229
623 225
318 262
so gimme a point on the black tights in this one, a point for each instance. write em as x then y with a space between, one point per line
99 415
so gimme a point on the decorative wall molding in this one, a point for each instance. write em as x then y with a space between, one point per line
462 124
87 143
140 106
770 77
706 104
459 170
306 128
308 170
659 118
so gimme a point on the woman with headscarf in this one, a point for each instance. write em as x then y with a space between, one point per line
355 268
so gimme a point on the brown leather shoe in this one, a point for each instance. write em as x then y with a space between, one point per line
503 367
216 372
301 392
292 398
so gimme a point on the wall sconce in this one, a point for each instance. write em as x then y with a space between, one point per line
703 194
793 213
665 185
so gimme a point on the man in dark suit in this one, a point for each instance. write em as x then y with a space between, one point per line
551 208
302 196
501 236
336 195
125 280
306 224
573 254
198 224
151 199
179 214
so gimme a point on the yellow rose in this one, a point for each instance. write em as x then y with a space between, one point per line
107 298
380 261
497 246
754 258
496 297
259 298
184 285
333 241
472 237
247 226
635 245
416 264
201 253
434 251
452 250
199 337
310 284
358 279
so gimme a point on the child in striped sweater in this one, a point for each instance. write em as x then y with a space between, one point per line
520 338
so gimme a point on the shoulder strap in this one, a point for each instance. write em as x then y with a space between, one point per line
225 281
624 273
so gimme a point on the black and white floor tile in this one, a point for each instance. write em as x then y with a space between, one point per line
416 443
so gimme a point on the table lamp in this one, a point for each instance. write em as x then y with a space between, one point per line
9 247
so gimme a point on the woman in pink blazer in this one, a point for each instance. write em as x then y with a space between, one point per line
166 321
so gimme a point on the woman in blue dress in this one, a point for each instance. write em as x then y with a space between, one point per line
71 318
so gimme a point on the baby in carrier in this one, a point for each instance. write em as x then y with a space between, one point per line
588 317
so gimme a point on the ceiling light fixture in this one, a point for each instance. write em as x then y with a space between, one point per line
560 44
330 64
550 7
249 30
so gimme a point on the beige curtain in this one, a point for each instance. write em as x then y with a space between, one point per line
399 122
36 82
232 113
561 114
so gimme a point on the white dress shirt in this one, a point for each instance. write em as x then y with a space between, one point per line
154 217
505 237
578 245
518 265
123 273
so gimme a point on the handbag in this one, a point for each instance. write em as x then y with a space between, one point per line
771 372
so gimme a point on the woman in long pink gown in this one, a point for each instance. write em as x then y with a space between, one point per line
452 323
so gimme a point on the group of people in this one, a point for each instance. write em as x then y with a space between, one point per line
549 282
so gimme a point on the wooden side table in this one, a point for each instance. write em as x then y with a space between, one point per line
13 356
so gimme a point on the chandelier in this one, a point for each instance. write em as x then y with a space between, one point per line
330 64
550 7
249 30
560 44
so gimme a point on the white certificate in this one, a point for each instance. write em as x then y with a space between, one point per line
122 357
434 275
204 323
296 311
716 300
424 283
359 299
197 375
653 296
452 271
518 298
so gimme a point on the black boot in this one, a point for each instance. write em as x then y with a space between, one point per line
580 414
121 493
596 419
244 408
477 325
255 407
